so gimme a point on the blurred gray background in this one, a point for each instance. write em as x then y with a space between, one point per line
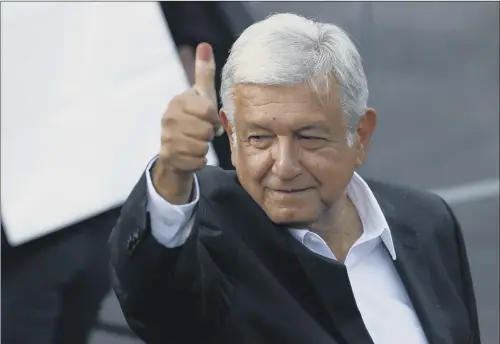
433 74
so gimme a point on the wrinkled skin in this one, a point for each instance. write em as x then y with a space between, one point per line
292 155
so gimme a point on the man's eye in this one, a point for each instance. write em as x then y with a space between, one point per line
260 141
257 137
311 138
312 142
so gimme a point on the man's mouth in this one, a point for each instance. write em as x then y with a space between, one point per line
291 191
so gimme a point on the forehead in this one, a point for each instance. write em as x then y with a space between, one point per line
289 105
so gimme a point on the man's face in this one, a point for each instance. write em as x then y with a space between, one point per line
291 152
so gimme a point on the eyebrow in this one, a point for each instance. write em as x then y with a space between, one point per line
252 125
313 127
318 127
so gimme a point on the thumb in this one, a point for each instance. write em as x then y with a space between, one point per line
204 76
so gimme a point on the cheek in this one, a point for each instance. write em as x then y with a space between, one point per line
332 169
254 164
252 167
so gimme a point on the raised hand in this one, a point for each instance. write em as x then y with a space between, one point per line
189 124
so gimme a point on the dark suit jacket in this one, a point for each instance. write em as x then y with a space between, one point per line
241 279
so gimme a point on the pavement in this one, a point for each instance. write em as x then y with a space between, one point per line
433 74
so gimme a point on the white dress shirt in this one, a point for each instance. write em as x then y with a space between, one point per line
381 298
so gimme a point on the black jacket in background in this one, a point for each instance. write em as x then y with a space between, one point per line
241 279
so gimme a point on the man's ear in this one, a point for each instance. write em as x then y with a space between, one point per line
364 131
227 126
229 130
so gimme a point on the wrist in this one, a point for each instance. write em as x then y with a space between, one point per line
174 187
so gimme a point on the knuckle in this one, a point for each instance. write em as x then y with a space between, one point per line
199 163
206 148
168 120
179 99
173 106
202 149
169 145
205 131
182 103
166 137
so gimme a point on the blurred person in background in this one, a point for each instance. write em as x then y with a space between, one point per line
294 246
53 286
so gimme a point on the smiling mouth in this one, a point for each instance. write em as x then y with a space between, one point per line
291 191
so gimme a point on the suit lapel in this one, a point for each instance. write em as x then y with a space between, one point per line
274 247
413 266
331 283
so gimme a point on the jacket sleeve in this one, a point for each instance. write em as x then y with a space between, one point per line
176 295
467 288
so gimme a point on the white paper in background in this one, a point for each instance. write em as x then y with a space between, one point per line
84 86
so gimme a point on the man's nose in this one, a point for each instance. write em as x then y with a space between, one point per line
286 164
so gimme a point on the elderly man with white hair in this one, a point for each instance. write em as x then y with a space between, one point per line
294 246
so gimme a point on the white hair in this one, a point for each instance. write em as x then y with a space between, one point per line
287 49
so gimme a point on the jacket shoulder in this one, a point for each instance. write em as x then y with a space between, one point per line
421 210
408 202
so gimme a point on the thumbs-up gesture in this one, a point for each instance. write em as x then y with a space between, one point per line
189 124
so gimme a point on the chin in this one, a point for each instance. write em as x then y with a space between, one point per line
294 218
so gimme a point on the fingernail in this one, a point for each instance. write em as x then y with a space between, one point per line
204 52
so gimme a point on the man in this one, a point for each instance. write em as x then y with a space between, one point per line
294 247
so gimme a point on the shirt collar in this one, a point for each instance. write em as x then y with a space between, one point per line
374 223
